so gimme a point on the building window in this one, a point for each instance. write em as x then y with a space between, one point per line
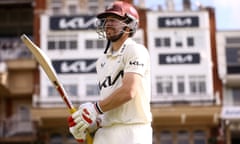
232 40
100 44
94 44
72 44
178 40
71 89
89 44
180 85
166 137
233 64
164 85
72 6
68 42
236 96
199 137
52 91
182 137
62 45
51 45
202 86
93 6
158 42
197 84
179 44
190 41
162 42
92 90
232 55
56 6
166 42
72 9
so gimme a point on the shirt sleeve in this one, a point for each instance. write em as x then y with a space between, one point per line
136 59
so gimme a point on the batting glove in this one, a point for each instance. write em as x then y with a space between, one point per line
88 113
76 130
85 116
95 125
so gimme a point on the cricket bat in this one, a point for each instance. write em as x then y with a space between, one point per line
45 63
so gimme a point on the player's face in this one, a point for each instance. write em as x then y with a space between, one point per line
113 27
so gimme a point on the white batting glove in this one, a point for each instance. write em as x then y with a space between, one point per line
95 125
86 115
74 128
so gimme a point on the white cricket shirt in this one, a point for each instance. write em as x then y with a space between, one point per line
131 57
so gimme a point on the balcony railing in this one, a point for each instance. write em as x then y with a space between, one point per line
15 126
13 48
190 99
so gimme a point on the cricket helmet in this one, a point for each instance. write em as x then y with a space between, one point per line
124 11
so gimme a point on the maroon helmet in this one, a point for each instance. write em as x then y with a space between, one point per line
124 11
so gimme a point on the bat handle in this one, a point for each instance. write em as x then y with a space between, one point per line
72 110
89 138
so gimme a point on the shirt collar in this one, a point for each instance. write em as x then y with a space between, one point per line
120 50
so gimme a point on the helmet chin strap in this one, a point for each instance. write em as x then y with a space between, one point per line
114 39
108 45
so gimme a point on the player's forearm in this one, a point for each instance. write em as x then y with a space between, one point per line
116 99
131 85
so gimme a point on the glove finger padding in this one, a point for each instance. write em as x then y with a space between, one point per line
78 130
86 112
81 120
81 126
79 136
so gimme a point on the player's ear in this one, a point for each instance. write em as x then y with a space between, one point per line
126 29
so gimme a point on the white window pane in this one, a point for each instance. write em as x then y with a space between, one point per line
164 85
180 84
89 44
166 137
73 44
100 44
71 89
183 137
199 137
92 90
52 91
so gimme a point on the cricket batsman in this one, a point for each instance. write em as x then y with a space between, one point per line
123 115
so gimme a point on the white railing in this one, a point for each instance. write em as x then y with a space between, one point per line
13 48
182 98
16 125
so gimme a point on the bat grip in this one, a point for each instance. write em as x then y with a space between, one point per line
72 110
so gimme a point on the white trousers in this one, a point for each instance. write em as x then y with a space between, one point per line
124 134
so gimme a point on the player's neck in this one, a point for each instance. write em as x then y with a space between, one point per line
117 44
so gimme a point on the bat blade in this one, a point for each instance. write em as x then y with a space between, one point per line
45 63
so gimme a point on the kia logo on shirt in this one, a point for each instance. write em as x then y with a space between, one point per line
75 66
136 63
179 58
166 22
